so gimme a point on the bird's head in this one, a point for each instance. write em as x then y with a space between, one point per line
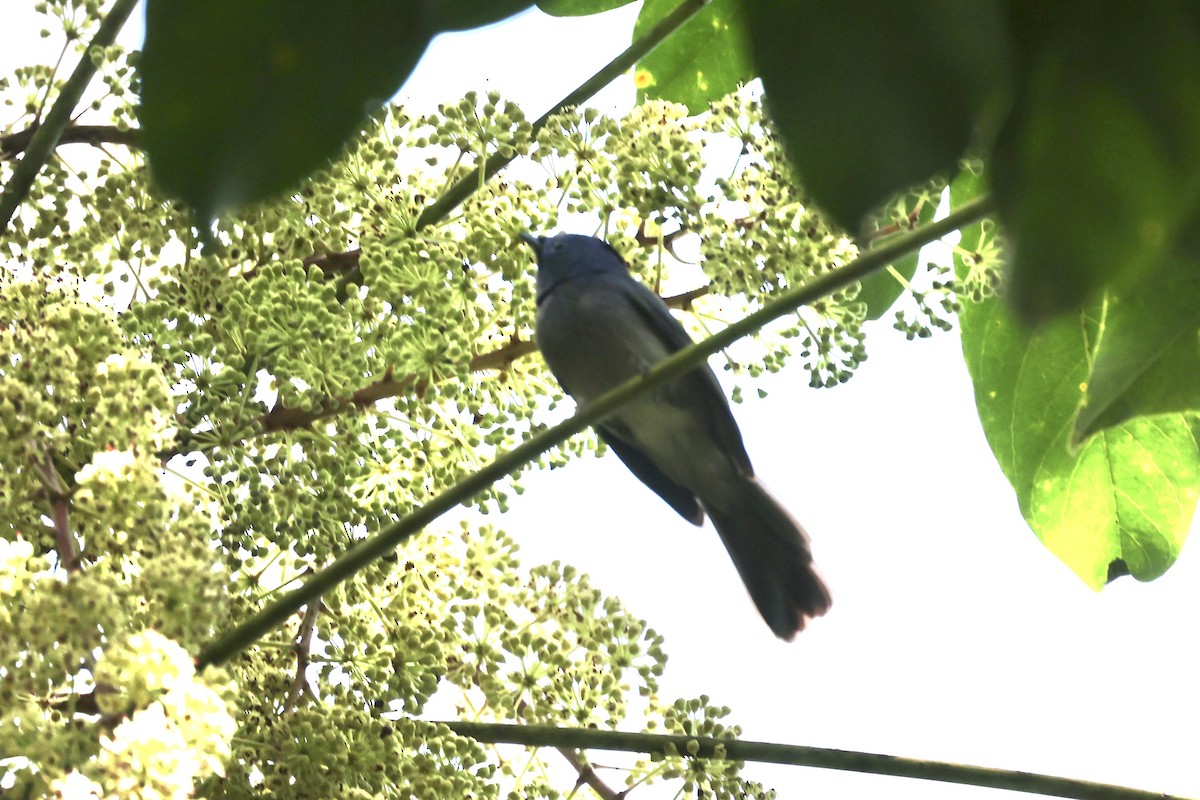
570 255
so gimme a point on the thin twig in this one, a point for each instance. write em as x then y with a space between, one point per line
60 506
587 774
303 648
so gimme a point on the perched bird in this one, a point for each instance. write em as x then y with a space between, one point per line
597 328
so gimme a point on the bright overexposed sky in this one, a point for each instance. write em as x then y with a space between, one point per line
954 634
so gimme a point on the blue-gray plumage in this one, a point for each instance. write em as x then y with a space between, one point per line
597 328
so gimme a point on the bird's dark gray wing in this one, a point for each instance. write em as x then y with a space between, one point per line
699 386
677 497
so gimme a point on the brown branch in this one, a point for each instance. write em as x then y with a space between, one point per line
13 144
303 648
82 703
60 506
911 221
646 240
287 418
587 774
344 262
683 301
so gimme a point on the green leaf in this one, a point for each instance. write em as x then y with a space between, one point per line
880 291
1125 500
1098 168
579 8
242 100
704 60
969 184
1146 358
872 98
460 15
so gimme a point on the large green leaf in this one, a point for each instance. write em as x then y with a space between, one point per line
461 15
579 8
241 100
872 97
1098 168
704 60
1146 358
1124 501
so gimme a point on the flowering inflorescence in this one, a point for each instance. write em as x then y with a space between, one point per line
186 431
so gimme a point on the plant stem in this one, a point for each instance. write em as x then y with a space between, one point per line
48 133
796 755
360 555
634 53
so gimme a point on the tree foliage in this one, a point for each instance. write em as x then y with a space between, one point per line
206 399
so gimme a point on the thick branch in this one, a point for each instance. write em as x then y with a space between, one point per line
14 143
46 137
772 753
232 642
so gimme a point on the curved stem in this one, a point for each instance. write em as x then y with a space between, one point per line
356 558
796 755
46 137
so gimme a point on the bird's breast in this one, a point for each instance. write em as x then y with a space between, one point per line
593 340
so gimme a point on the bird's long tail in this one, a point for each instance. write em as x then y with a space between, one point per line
771 553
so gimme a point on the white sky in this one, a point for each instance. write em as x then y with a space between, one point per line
954 635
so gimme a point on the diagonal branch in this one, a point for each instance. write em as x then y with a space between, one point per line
303 649
796 755
587 774
233 641
47 135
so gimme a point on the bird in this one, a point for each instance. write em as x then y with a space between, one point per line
597 328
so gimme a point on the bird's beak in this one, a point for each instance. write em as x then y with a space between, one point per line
533 241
